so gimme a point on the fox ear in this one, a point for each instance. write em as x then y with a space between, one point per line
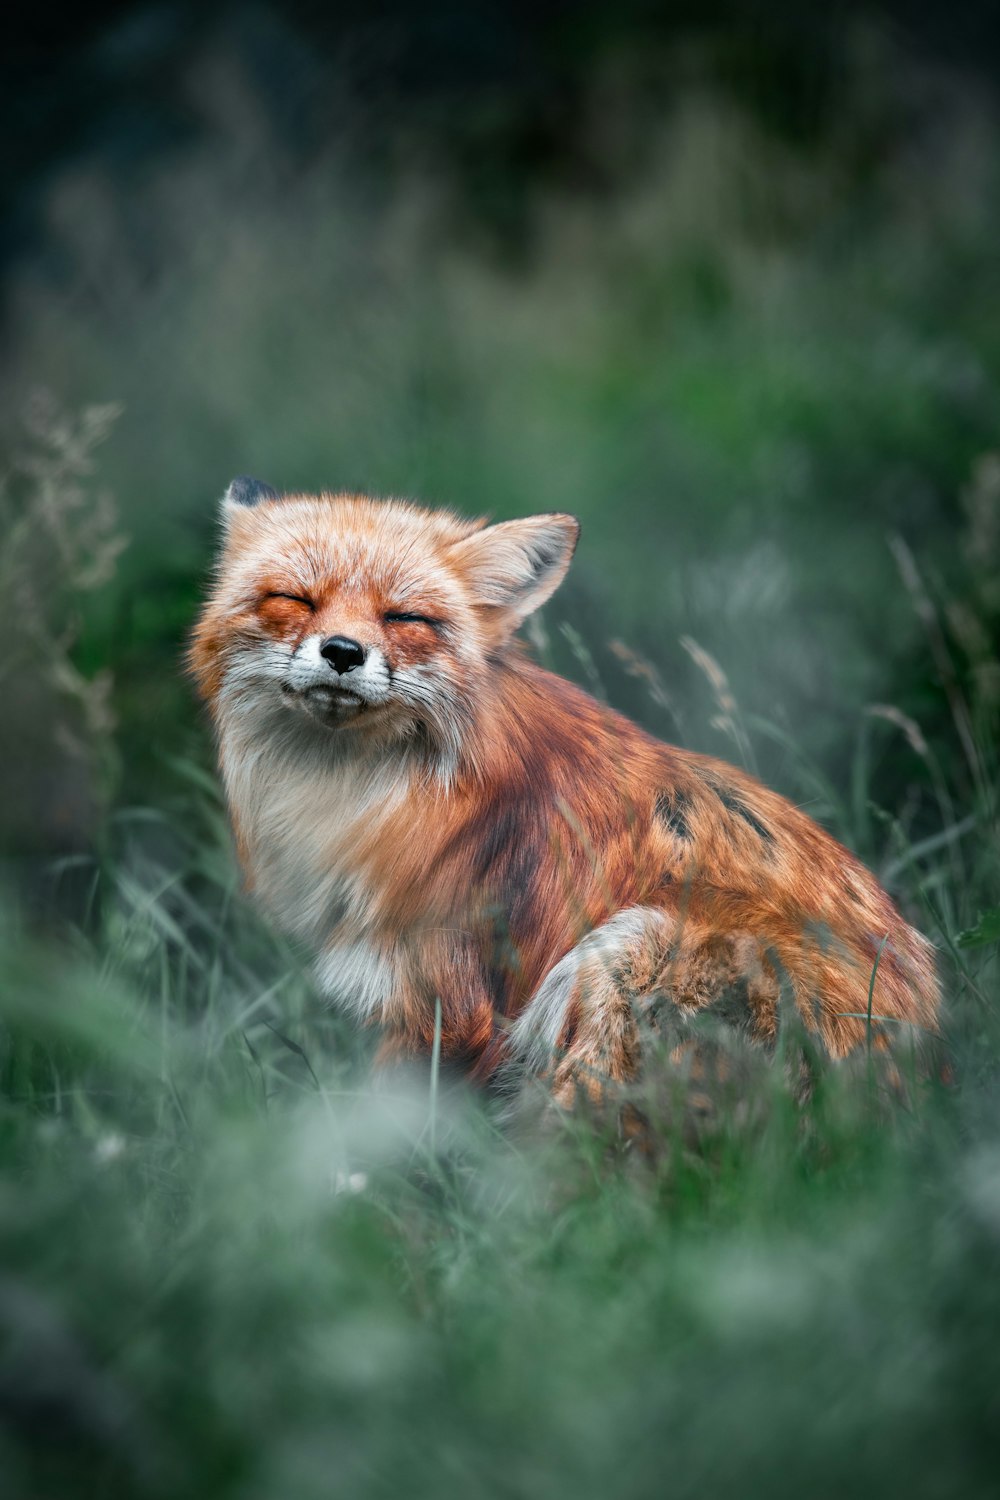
515 566
246 492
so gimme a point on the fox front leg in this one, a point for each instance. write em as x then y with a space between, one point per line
579 1029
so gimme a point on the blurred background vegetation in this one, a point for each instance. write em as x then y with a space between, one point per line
721 280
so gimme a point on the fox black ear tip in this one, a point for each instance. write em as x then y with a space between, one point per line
245 490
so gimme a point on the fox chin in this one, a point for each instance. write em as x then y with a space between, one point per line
443 820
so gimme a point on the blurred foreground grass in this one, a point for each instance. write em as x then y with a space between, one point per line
228 1266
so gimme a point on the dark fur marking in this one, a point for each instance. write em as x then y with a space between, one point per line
505 863
245 490
731 1006
733 804
671 810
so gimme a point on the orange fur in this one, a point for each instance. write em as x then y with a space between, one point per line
467 826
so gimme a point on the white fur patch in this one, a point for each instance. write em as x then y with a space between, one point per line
301 805
307 665
360 977
253 673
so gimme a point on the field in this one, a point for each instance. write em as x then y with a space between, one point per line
766 377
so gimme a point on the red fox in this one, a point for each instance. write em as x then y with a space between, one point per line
444 820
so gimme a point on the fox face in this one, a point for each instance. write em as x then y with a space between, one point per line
369 621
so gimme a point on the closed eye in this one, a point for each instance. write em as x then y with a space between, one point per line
405 617
295 598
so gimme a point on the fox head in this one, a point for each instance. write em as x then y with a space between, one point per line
368 621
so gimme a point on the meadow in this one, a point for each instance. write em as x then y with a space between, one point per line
766 378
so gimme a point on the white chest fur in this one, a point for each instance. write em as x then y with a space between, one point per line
301 810
365 977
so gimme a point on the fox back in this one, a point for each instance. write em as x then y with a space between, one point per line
443 820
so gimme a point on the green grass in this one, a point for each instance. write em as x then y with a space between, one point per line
234 1266
230 1264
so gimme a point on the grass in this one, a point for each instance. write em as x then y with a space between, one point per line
233 1266
230 1264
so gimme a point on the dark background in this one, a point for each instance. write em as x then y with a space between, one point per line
500 89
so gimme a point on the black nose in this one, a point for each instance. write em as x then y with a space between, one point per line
342 654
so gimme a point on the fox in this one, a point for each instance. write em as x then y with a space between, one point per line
484 858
